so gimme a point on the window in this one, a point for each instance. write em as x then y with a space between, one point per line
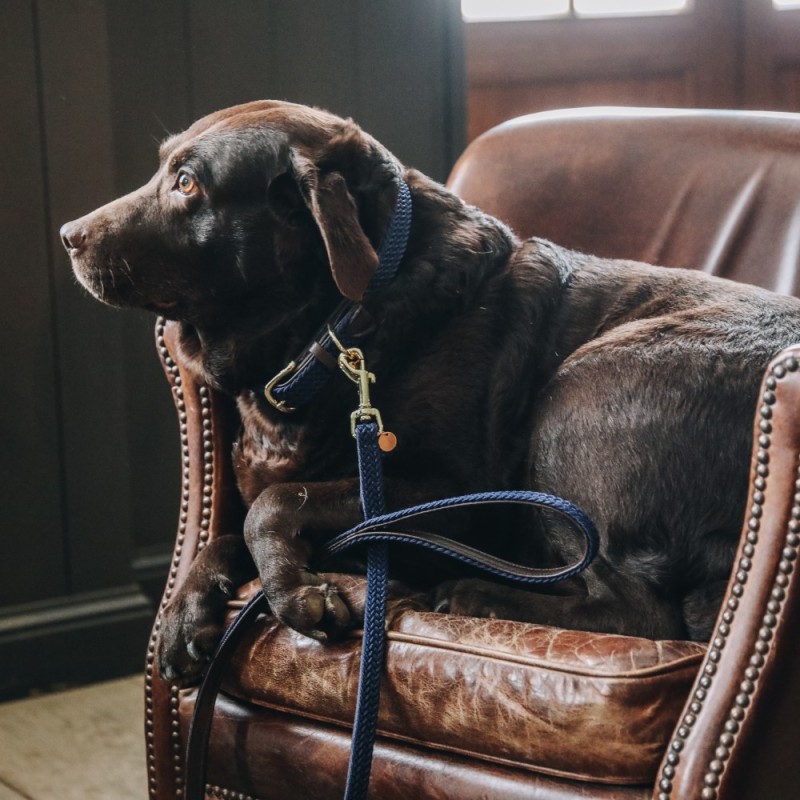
483 10
784 3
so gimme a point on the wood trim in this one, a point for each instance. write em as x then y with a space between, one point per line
83 638
572 49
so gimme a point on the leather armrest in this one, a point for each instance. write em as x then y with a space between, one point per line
740 730
210 506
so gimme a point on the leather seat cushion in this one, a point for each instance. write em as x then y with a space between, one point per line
592 707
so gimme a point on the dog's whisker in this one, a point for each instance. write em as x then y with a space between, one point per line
167 132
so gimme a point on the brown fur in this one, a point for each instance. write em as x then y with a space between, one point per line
626 388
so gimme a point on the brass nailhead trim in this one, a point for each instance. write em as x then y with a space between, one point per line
770 620
227 794
208 467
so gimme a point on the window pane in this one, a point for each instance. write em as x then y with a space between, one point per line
477 10
602 7
786 3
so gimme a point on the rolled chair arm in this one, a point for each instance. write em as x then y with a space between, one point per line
739 735
210 505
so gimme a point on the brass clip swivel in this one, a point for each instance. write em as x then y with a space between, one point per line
352 363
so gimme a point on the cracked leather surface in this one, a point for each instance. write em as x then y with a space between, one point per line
565 703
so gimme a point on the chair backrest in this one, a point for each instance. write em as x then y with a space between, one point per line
717 191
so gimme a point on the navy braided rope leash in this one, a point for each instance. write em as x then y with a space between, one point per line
295 386
374 531
370 470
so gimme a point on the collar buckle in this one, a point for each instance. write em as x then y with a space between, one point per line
271 399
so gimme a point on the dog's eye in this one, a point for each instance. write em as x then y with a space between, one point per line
186 183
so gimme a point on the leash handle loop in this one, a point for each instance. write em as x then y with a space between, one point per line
378 529
373 532
295 385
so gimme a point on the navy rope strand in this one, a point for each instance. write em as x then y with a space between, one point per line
370 468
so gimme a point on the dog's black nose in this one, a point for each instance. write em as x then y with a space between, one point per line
73 235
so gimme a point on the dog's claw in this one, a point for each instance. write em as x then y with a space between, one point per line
189 634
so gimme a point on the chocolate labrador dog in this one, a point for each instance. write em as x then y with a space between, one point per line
500 364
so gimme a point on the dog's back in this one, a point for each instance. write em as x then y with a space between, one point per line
645 420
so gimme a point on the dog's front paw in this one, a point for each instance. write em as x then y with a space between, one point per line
191 626
274 530
311 605
472 597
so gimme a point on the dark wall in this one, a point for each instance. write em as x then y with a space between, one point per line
89 461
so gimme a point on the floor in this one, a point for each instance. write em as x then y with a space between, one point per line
82 744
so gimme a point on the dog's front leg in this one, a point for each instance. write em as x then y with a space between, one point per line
278 531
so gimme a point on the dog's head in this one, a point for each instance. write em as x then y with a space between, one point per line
249 205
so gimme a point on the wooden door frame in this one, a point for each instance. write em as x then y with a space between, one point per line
771 43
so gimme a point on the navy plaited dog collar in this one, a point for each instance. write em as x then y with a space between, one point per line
301 379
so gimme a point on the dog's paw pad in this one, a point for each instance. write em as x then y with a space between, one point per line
316 610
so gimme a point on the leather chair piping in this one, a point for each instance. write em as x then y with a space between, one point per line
532 661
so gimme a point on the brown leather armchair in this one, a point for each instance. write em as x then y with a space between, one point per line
494 709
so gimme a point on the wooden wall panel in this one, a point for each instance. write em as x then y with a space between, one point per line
76 615
30 465
148 73
788 88
411 97
80 157
230 55
90 464
150 99
771 50
315 54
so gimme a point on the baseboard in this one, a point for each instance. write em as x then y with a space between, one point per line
151 569
74 640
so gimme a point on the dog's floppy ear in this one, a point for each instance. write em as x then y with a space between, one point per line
352 257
